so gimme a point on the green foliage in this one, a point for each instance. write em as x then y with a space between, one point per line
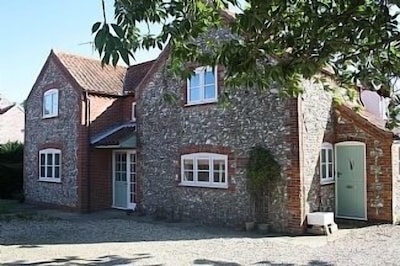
262 171
277 41
11 169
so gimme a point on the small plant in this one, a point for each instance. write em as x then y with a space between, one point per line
262 170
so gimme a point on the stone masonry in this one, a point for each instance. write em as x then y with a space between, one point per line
59 132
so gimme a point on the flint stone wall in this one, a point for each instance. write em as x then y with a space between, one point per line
317 123
254 118
60 132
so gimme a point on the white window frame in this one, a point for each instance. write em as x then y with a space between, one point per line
204 156
201 72
325 148
53 152
50 95
133 112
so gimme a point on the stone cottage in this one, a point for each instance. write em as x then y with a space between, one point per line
101 138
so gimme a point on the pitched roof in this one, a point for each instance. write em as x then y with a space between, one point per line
135 74
5 104
91 76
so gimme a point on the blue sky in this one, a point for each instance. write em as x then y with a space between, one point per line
30 29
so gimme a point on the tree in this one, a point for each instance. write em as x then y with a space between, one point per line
275 41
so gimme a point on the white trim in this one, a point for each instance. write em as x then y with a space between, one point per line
129 205
53 166
352 143
199 71
54 107
329 179
205 156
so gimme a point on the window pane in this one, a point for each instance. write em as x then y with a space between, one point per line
219 165
203 164
323 174
188 176
195 80
42 171
209 77
203 176
194 94
47 104
49 171
323 155
57 172
209 92
42 159
219 177
329 155
188 164
57 159
123 176
330 170
49 159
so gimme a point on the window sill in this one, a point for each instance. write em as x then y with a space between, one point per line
201 103
49 180
330 182
49 116
205 185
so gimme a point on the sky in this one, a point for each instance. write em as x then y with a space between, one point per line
30 29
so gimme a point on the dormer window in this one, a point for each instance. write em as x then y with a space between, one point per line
202 86
50 103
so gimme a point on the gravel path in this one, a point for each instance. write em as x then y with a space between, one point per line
112 240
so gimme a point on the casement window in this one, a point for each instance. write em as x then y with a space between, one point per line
202 86
326 164
133 114
50 165
50 103
204 170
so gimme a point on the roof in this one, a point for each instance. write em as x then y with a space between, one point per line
91 76
135 74
115 136
5 105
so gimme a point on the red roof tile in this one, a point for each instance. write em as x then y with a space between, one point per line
135 74
91 76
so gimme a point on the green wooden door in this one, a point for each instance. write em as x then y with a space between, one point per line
350 180
120 180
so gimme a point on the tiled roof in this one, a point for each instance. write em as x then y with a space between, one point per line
91 76
5 104
135 74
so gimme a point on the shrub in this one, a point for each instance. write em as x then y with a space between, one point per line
11 169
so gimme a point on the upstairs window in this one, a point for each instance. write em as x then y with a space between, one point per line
50 165
202 86
326 163
204 170
50 103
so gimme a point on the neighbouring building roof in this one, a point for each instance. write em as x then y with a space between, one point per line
123 136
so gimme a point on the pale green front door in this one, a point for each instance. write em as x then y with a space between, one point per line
350 180
124 172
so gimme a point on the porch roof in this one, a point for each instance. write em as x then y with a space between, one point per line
123 136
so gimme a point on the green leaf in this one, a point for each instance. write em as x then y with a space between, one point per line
96 26
118 30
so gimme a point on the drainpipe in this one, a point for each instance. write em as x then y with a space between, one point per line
87 124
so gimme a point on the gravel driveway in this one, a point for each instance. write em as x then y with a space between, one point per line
117 239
